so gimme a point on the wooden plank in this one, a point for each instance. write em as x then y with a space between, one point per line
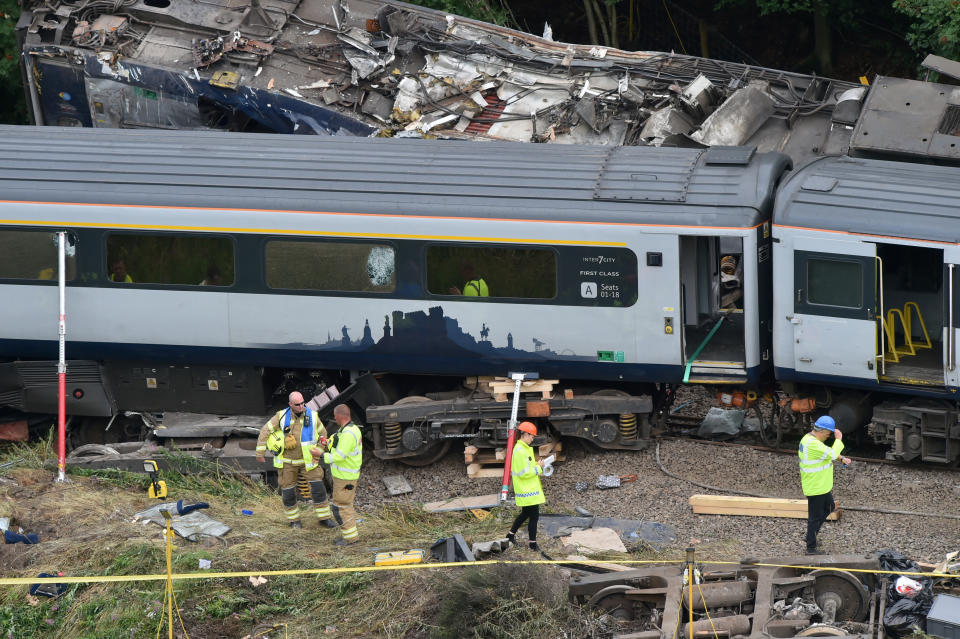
462 503
752 506
478 471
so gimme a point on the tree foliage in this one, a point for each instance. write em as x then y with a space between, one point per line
13 109
495 11
935 26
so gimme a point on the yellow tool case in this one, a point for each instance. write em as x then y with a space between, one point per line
398 557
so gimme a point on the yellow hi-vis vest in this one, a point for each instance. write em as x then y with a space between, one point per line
816 465
309 436
346 453
476 288
525 473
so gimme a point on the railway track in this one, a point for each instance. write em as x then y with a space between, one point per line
788 448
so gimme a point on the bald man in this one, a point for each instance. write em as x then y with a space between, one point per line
296 436
345 457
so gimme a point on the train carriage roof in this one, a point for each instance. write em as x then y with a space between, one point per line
875 197
718 187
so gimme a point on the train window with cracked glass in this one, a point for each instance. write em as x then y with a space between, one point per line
180 260
32 255
492 271
355 267
834 283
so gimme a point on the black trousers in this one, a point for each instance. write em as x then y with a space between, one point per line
818 508
532 515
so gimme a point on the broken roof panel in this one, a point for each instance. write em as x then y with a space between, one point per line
389 69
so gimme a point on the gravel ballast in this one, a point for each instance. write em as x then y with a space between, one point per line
659 498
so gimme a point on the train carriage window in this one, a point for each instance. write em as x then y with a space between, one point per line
834 283
358 267
183 260
32 255
492 271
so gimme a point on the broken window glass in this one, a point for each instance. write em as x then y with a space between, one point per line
32 255
359 267
184 260
492 271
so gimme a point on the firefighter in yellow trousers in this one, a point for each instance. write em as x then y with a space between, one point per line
345 457
294 435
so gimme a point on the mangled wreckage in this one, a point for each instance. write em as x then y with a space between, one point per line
386 68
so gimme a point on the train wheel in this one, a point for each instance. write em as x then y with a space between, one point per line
433 452
614 602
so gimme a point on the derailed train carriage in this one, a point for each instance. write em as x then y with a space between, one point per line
213 273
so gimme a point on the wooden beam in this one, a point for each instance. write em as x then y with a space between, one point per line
752 506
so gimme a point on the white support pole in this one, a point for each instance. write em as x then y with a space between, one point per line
62 361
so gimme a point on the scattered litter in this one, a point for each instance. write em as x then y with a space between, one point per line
650 531
462 503
203 564
258 581
294 93
720 422
582 511
270 84
680 407
11 537
4 523
480 513
451 549
582 486
192 526
397 485
905 613
595 540
48 590
908 587
258 71
614 481
33 601
399 557
314 32
248 513
483 548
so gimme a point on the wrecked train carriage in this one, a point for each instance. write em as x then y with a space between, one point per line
199 277
829 596
375 68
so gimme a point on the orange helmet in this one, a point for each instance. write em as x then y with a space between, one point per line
528 427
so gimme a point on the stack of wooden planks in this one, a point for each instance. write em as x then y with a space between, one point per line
752 506
501 387
481 464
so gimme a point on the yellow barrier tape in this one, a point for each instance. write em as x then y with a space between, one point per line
15 581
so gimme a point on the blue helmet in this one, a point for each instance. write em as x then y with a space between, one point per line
825 422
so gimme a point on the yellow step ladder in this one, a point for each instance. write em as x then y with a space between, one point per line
906 321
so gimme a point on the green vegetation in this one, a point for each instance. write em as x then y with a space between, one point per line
935 26
495 11
13 106
86 528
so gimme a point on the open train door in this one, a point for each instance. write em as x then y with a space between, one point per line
951 319
835 308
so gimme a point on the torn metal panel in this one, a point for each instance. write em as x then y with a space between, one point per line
386 68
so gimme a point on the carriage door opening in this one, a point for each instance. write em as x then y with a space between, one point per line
913 311
711 283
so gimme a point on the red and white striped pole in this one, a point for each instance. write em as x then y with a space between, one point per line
62 362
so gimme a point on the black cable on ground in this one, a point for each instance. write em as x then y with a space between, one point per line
862 509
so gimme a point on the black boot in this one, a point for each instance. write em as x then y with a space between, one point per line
512 538
535 547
